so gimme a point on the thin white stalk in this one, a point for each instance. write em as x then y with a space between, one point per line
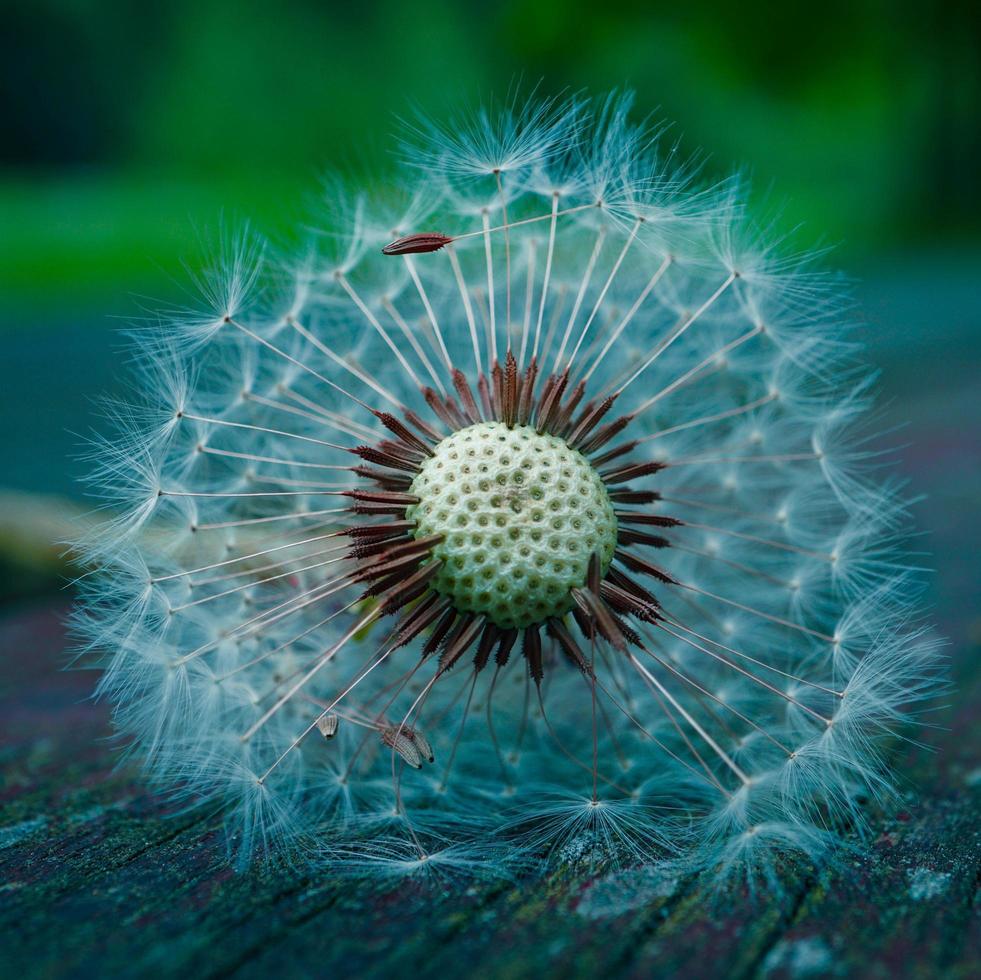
251 396
263 620
298 412
286 644
244 493
268 431
711 742
548 274
527 221
414 343
630 314
778 620
253 521
303 367
731 563
350 710
507 258
313 486
326 711
260 569
254 554
488 252
258 582
211 451
768 542
580 295
467 307
678 332
529 296
355 429
553 323
705 505
778 458
681 675
325 658
712 358
753 660
705 774
362 376
606 288
424 296
790 699
706 419
379 329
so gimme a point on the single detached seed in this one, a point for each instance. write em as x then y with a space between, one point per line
412 244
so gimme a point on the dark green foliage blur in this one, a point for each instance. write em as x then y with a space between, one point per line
130 128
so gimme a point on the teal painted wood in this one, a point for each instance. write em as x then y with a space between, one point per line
97 879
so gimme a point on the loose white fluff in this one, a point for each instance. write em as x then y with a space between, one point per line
746 726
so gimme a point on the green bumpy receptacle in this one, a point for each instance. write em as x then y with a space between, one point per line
521 514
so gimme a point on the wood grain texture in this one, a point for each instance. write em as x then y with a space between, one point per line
98 879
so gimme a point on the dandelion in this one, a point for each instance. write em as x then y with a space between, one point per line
522 515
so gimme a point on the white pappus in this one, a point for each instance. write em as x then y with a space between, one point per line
522 516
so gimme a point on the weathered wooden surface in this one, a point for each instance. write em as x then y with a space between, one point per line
98 881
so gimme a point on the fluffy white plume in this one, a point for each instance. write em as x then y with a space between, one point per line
746 721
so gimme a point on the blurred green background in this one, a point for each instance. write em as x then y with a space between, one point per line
132 129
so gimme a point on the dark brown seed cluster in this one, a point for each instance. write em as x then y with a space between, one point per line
398 568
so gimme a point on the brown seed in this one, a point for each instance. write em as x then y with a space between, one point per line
403 744
422 743
410 743
411 244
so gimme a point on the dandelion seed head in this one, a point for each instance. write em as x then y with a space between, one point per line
519 514
529 512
